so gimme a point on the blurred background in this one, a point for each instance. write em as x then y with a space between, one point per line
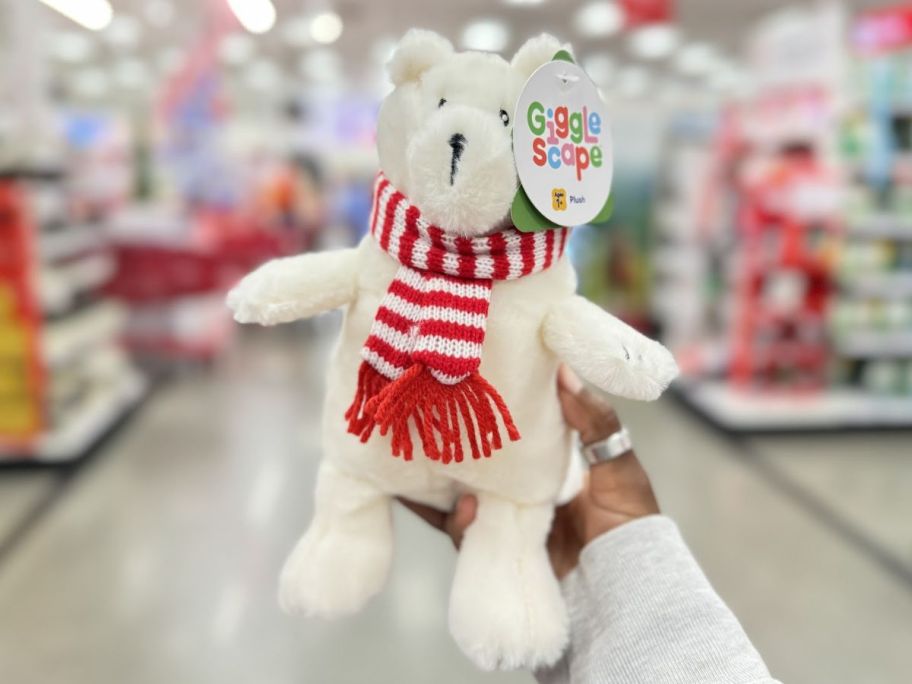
158 461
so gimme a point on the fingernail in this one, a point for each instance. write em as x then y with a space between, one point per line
569 379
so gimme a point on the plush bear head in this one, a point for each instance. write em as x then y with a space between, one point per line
444 135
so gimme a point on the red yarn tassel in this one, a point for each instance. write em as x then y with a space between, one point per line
370 384
435 410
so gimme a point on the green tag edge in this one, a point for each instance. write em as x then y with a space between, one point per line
526 217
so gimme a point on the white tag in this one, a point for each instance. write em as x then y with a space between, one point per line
562 144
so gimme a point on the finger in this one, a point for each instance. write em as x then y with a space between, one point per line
588 413
568 380
462 516
431 516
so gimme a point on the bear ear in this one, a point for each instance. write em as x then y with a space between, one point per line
535 52
417 52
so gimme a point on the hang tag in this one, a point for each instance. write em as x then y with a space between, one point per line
563 150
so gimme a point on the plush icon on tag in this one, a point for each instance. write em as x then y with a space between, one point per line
444 377
559 199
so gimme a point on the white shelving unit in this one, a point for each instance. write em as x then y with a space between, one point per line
89 383
741 411
90 421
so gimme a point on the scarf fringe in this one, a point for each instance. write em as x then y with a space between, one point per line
370 384
438 411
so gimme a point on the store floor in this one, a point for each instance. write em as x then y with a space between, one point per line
156 561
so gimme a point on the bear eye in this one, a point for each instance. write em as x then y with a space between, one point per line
504 117
441 103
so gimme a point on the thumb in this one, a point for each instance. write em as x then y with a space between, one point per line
462 516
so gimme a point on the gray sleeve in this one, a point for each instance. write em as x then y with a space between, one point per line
641 610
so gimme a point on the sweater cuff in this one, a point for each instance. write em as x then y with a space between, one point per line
634 538
634 558
639 597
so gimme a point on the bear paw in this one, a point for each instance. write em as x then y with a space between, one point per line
330 574
257 299
509 617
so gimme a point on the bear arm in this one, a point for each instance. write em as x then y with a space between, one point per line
607 352
296 287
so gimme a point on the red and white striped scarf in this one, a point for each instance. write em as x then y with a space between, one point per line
422 356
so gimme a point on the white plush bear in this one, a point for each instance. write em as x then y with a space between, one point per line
445 151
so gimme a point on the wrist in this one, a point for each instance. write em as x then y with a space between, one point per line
619 492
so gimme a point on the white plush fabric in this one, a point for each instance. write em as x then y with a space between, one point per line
289 289
506 609
607 352
535 52
414 130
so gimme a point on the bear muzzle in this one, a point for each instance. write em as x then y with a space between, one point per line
461 170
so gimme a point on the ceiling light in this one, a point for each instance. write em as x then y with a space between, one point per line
524 2
599 19
158 12
633 81
321 65
70 46
696 58
600 68
236 48
131 73
326 27
487 35
257 16
169 59
91 14
263 74
727 78
655 41
296 32
90 82
123 32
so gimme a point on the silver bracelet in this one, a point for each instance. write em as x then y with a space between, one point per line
608 449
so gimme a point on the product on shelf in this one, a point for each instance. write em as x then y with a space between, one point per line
799 308
64 381
22 385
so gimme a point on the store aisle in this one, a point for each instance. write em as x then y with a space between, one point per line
158 562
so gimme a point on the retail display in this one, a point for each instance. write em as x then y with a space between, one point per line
68 380
175 287
462 317
871 321
783 275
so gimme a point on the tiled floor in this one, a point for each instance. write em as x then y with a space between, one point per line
158 561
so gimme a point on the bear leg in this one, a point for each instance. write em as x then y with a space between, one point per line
506 608
344 557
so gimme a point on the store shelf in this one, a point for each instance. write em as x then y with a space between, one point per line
872 344
60 286
882 285
67 339
87 424
881 226
70 242
836 409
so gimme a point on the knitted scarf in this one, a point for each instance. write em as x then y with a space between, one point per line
421 359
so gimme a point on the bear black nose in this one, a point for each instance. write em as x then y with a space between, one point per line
457 144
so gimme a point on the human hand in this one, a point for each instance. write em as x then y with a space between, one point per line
613 493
